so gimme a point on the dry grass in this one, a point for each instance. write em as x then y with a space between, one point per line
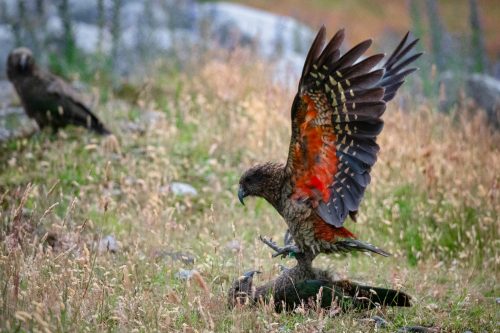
433 203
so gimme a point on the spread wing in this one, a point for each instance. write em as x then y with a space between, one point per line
76 111
336 117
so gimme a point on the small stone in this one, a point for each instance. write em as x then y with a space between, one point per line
152 117
185 274
234 245
108 244
498 300
183 189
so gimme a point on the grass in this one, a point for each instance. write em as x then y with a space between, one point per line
433 203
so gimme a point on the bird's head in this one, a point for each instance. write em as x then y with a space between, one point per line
20 62
241 289
260 181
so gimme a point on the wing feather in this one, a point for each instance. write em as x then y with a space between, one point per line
336 118
76 111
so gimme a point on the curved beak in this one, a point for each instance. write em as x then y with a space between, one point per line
250 274
241 195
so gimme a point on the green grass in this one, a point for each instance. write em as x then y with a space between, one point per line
436 212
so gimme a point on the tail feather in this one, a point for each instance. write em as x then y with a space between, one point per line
349 245
385 297
348 295
99 128
363 296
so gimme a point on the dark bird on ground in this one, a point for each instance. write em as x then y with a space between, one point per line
46 98
305 285
336 118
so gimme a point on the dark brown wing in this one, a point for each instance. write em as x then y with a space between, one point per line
335 121
75 110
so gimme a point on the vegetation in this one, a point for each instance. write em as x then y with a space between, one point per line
433 203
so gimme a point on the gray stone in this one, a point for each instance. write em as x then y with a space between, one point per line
86 11
14 123
185 274
183 189
275 37
90 39
7 44
485 91
450 86
7 94
108 244
234 245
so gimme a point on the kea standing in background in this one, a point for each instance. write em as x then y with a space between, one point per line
46 98
336 118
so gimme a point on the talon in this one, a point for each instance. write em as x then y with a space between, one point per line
288 250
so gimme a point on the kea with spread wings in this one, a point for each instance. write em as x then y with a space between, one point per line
47 98
336 118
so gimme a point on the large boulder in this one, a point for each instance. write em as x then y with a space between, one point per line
274 37
485 91
7 44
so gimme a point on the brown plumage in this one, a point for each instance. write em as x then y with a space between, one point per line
302 284
336 117
46 98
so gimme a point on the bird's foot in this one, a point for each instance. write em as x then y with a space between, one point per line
288 250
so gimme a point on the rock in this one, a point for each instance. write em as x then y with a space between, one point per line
151 117
449 87
87 11
108 244
185 274
498 300
7 42
183 189
485 91
89 38
7 94
14 123
234 245
275 37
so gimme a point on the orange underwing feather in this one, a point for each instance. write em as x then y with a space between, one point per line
329 233
316 160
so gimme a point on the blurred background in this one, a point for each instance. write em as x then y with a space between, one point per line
144 231
120 38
